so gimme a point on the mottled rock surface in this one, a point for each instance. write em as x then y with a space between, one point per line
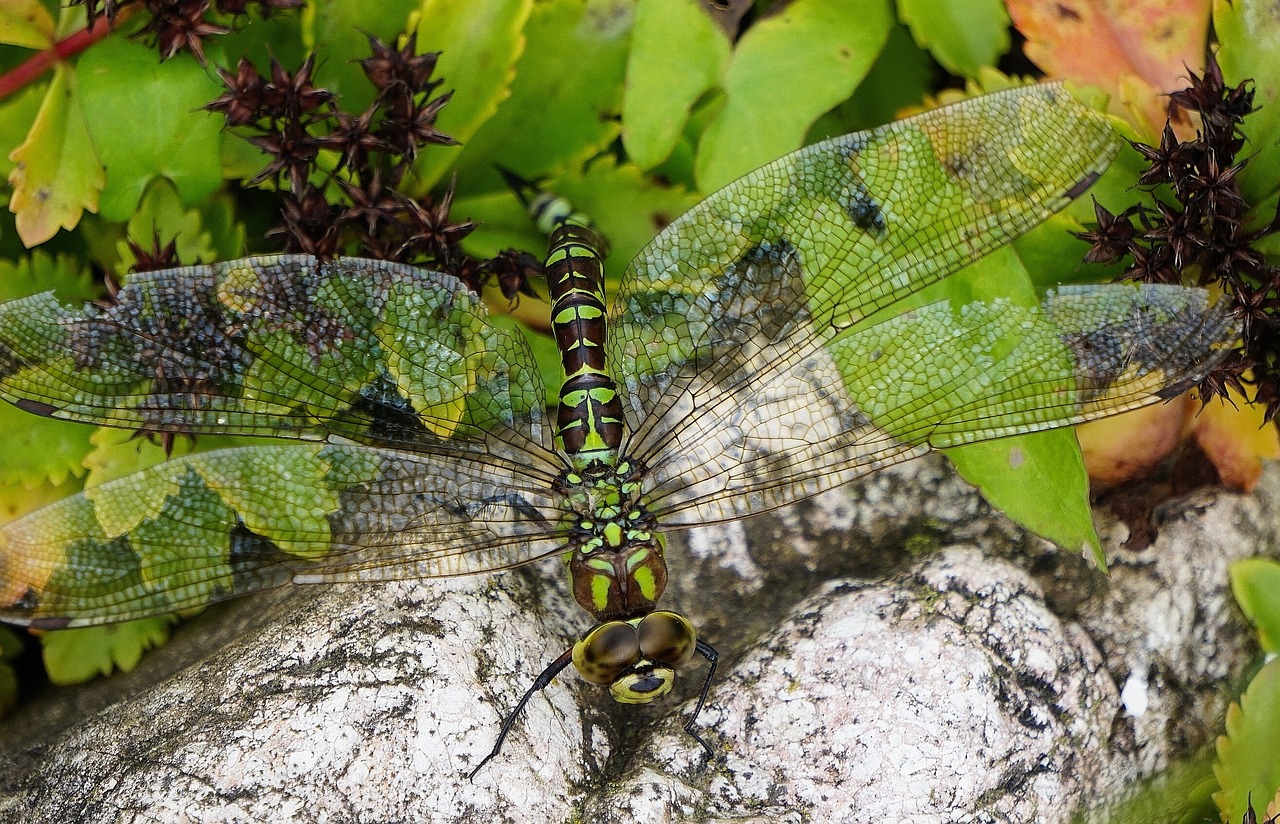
890 652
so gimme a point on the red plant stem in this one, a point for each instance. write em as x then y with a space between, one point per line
19 78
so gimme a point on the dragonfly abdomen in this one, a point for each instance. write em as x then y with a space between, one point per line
589 422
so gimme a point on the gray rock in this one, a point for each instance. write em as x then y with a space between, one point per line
888 654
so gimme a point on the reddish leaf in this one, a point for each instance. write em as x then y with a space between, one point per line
1137 50
1236 441
1129 446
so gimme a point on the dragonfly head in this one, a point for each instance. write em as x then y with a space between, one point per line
636 659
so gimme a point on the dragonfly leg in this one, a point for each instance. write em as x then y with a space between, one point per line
540 683
708 652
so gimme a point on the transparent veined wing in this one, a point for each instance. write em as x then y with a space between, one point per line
215 525
456 476
286 346
736 333
936 377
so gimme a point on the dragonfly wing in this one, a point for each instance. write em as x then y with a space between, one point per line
936 377
824 237
219 524
286 346
744 317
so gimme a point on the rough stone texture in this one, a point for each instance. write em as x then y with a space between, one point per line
889 653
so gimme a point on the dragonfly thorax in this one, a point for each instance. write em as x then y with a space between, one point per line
614 554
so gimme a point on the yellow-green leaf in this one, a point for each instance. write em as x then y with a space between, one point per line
1038 481
26 23
73 656
1247 763
1255 582
57 175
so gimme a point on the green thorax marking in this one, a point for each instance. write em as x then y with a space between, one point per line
589 422
615 556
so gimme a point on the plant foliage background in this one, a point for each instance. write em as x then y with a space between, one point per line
115 160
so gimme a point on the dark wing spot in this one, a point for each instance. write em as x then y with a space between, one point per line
49 623
1173 390
390 418
959 166
1082 185
256 562
35 407
519 504
1099 360
864 211
10 362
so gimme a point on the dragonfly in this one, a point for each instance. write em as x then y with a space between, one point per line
744 364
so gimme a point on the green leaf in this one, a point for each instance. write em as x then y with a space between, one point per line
240 159
1249 34
1247 762
286 37
37 449
901 76
1256 584
677 54
786 71
58 175
562 111
160 216
479 41
1052 256
226 233
146 120
963 35
69 279
502 222
73 656
1039 482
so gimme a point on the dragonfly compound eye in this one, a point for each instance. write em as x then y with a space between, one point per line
667 638
606 652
